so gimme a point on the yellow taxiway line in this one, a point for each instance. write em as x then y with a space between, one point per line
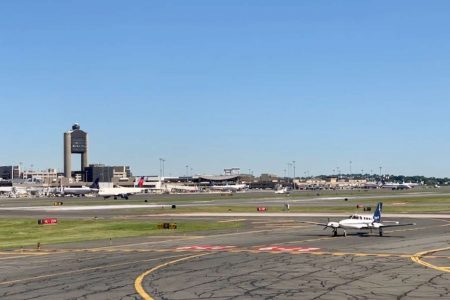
417 258
140 278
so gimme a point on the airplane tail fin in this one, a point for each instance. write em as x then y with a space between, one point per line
141 182
377 214
95 184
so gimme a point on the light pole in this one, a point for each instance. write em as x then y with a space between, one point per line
161 167
293 182
350 168
187 171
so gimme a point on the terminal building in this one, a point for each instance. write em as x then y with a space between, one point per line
9 172
48 176
107 173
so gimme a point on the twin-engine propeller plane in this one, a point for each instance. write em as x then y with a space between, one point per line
362 222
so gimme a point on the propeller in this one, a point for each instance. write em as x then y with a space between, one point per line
326 227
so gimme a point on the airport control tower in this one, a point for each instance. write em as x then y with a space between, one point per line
75 141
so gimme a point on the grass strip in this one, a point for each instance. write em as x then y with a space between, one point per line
26 232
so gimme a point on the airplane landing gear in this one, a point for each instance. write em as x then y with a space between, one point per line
335 232
381 231
345 233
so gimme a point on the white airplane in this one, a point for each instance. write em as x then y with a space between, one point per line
13 191
284 190
362 222
230 187
122 192
93 188
399 186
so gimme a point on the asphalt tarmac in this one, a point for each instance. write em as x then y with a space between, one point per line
268 258
271 258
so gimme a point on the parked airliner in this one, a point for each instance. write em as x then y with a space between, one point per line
399 186
80 191
230 187
283 190
122 192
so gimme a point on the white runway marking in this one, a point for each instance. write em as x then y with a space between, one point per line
205 247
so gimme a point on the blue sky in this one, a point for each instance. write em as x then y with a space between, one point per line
219 84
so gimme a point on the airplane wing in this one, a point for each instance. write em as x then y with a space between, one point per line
396 225
314 223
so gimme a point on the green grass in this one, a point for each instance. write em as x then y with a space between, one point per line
26 232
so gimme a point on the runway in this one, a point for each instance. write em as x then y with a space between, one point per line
275 258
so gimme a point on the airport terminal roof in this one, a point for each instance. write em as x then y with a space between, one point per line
218 177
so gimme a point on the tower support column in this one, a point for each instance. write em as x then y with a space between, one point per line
67 155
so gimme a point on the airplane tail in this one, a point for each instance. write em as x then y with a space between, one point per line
141 182
95 184
377 214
